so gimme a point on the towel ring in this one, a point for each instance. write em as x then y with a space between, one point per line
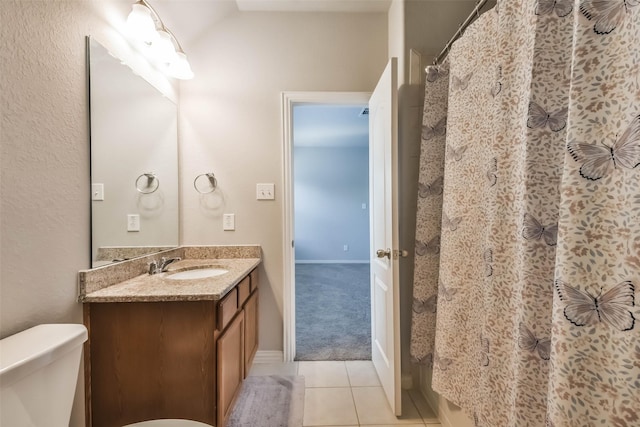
148 185
213 182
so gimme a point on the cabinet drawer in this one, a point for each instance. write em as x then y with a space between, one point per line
227 308
244 290
254 279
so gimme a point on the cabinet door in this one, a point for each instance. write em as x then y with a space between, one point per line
150 360
230 351
250 331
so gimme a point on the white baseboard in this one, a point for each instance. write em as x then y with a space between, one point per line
268 356
406 382
448 413
425 388
444 419
332 261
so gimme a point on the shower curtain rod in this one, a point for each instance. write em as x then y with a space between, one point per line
474 13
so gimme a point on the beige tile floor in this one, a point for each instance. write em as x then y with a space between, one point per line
348 394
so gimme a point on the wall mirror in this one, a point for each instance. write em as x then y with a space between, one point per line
134 162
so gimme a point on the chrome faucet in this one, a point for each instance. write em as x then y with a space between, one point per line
156 267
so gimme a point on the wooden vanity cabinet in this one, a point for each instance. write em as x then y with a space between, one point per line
250 309
175 359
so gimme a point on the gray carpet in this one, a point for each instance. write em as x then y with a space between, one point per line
333 312
269 401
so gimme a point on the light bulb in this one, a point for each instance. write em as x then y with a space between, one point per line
140 24
180 68
163 49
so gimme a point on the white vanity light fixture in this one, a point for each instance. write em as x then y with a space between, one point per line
158 43
140 24
163 49
180 68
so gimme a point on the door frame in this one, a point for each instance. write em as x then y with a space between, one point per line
288 101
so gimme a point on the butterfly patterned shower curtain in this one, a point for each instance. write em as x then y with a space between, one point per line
528 247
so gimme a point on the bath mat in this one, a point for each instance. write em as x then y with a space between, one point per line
269 401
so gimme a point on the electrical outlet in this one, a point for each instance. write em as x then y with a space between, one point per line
265 191
229 222
133 222
345 248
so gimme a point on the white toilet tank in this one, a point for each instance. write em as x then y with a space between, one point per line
38 374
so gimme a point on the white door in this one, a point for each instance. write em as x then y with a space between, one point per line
385 293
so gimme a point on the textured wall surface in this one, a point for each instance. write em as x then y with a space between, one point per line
45 169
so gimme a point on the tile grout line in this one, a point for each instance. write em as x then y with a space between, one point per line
353 398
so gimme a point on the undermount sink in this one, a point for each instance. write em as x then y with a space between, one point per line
197 273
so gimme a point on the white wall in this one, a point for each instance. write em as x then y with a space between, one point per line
330 186
44 185
230 122
395 42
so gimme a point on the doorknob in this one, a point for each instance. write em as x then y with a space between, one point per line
381 253
397 253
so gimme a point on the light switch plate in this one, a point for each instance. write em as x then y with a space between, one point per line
97 191
265 191
228 222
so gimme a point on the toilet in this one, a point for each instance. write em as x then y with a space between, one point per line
38 374
168 423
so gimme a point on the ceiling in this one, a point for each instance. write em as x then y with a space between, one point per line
190 19
314 5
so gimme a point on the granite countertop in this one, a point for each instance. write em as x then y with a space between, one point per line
157 287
